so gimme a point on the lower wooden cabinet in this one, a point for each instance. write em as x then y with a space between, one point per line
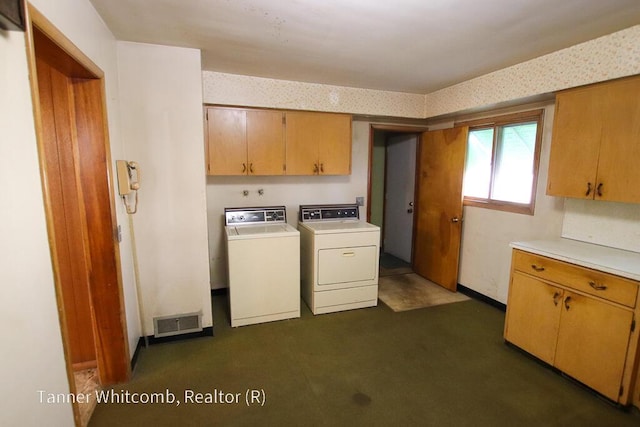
568 317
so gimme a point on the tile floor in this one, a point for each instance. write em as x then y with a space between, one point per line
87 382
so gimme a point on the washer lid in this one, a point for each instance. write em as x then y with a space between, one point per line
260 231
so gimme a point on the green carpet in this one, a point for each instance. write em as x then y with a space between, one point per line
440 366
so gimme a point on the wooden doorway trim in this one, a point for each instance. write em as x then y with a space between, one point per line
396 129
86 83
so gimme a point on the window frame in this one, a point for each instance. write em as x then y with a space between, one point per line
494 123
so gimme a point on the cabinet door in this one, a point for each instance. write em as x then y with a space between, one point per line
575 143
334 147
302 134
265 142
618 169
226 141
533 316
592 342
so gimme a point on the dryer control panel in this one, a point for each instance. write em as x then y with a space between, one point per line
329 212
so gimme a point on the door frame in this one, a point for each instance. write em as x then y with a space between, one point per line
88 84
397 129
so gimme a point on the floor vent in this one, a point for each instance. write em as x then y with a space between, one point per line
175 325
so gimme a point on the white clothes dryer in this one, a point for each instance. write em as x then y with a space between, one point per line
339 256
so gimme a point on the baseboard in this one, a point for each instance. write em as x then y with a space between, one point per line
206 332
477 295
136 353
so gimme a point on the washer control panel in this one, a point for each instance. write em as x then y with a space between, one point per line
329 212
252 216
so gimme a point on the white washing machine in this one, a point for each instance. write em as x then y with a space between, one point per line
339 256
263 254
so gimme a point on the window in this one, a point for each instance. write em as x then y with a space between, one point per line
502 162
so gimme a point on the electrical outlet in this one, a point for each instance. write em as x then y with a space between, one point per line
360 201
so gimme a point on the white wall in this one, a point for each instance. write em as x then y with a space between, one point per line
31 351
290 191
162 129
604 223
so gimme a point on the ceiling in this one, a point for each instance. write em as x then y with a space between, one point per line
415 46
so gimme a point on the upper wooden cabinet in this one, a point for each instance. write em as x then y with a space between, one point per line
244 142
268 142
596 146
318 143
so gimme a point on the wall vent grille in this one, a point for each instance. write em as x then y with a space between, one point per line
175 325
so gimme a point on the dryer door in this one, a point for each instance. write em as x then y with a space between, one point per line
344 265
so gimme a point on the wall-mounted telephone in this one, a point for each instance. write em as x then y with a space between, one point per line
128 183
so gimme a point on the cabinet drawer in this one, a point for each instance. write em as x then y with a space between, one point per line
607 286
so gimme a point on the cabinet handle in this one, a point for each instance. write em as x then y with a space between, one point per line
244 167
537 267
555 297
599 190
566 303
315 168
597 286
251 167
588 189
348 254
322 167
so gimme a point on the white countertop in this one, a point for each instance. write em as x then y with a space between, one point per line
615 261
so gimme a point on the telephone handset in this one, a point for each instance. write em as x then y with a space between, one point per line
128 182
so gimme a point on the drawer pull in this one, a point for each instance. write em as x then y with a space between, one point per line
566 303
537 267
597 286
588 189
348 254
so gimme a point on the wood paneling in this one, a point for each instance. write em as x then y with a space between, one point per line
106 294
69 219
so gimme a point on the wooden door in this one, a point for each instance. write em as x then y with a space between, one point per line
302 130
618 169
575 144
533 316
265 142
226 141
592 342
334 144
438 227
